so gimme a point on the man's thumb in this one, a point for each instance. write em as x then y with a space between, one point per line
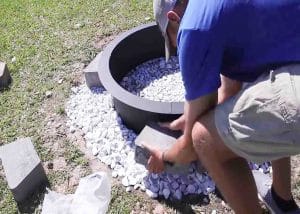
146 146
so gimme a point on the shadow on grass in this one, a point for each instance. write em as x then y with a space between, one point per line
185 205
34 201
5 89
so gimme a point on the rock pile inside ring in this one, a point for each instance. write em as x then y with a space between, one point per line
156 80
92 111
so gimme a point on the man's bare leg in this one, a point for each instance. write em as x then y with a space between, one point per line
282 178
281 187
230 172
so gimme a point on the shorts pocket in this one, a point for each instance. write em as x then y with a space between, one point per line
266 113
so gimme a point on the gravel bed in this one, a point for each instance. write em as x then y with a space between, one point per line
92 111
156 80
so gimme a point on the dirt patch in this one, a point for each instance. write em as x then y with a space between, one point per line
60 165
101 41
68 159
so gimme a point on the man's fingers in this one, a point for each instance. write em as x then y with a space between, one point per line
173 125
146 146
149 164
158 170
153 166
164 124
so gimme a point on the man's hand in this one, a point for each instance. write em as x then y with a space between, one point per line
155 162
181 152
175 125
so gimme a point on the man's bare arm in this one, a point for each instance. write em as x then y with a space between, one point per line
229 87
182 151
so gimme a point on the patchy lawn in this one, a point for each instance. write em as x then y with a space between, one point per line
46 45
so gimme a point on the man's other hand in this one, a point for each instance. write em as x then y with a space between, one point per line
155 162
175 125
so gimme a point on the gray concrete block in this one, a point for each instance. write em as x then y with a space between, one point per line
159 138
91 72
5 78
23 169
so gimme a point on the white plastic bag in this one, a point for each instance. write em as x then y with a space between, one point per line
56 203
92 196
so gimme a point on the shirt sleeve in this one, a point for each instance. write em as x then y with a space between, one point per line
200 57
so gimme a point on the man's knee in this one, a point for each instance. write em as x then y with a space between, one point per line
206 140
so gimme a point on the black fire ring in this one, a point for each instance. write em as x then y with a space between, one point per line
127 51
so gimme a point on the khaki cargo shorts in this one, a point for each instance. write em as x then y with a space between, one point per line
262 122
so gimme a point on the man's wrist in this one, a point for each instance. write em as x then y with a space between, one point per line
164 158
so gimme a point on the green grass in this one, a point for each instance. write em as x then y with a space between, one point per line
43 37
47 37
60 110
7 204
121 201
73 155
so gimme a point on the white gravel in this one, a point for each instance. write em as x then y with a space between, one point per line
92 111
156 80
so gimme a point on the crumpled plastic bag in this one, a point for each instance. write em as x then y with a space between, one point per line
91 196
57 203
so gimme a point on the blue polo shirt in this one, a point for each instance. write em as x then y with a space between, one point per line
237 38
